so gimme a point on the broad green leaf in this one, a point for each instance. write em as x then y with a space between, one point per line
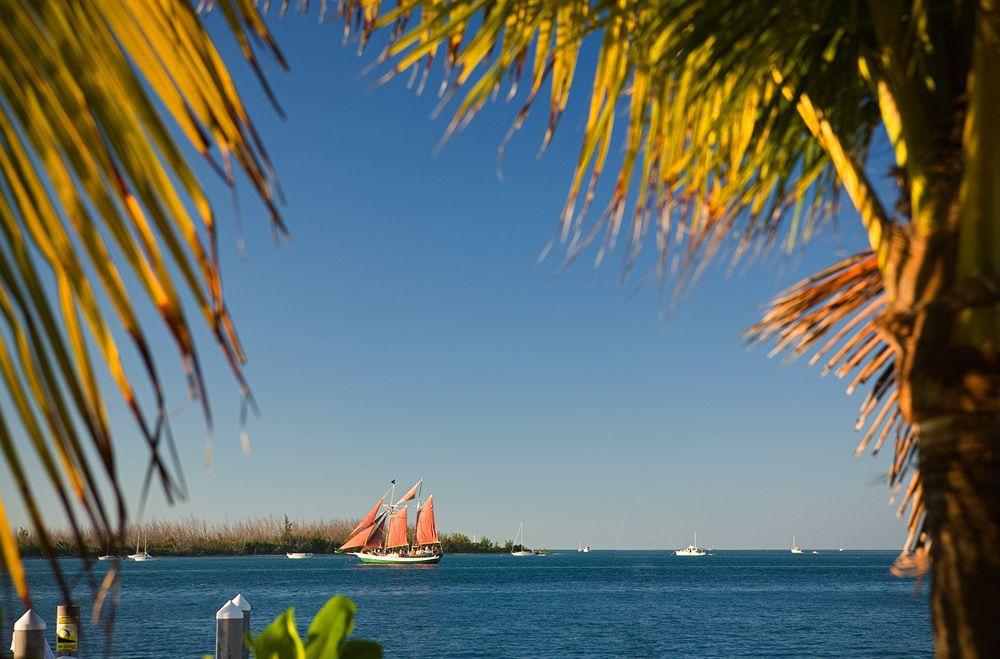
331 626
280 640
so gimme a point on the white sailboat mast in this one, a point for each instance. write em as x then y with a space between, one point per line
420 486
392 506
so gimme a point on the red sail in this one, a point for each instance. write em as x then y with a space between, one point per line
397 529
358 539
378 534
370 517
411 494
426 529
368 537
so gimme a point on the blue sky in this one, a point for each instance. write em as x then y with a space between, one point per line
408 332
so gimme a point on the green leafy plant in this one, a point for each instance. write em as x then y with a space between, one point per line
326 638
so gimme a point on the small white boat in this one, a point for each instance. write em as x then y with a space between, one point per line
298 555
107 554
795 547
583 548
518 548
137 556
815 552
691 550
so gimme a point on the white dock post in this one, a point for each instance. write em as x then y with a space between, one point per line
29 637
244 605
229 632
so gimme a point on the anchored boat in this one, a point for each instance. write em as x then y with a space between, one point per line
144 556
518 549
382 537
795 546
691 550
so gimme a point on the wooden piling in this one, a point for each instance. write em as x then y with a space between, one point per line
29 637
229 632
244 605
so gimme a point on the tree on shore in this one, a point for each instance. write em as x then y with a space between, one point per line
742 122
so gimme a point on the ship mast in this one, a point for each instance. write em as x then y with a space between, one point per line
416 523
385 536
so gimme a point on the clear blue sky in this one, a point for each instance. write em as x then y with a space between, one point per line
408 332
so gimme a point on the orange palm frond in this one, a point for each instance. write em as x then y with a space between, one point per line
834 315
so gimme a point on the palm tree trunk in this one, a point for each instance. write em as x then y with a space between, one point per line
960 465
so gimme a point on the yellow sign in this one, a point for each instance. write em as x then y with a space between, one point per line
66 634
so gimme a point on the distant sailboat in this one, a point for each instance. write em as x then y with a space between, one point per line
795 547
583 548
691 550
382 538
518 549
107 553
144 556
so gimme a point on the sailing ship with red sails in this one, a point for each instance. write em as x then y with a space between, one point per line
383 537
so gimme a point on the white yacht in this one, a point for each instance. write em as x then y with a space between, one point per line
691 550
137 556
298 555
518 548
583 548
795 547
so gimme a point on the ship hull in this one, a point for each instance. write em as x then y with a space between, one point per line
374 559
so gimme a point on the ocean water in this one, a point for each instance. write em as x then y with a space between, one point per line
567 604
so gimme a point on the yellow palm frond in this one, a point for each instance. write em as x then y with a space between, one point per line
708 99
99 210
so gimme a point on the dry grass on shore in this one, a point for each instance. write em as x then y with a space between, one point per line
194 537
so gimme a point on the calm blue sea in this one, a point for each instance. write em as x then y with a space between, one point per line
568 604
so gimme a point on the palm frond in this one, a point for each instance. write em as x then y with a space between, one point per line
834 315
95 195
708 98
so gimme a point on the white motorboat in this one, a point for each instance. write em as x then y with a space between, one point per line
583 548
691 550
298 555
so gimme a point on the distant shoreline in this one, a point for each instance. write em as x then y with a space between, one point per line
269 536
